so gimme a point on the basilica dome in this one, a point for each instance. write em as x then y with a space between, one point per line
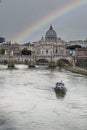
51 35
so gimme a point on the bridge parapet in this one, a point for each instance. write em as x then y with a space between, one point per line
55 58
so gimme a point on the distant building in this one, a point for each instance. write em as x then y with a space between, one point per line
81 52
13 49
82 43
50 45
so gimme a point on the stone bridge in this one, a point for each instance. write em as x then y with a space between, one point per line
47 59
80 61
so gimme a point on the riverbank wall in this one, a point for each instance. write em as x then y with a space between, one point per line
76 70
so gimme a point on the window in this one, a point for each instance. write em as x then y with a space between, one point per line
46 51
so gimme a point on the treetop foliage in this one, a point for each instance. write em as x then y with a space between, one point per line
25 52
2 39
73 47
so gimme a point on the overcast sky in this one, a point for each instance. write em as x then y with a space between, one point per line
16 15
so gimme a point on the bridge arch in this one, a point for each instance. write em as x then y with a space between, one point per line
64 61
42 61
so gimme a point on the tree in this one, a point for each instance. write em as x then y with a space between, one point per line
73 47
2 39
25 52
59 63
2 51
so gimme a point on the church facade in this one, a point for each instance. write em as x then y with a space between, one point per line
51 45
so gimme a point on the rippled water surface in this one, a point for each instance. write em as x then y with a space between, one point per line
28 100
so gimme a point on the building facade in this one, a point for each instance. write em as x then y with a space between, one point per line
51 45
81 52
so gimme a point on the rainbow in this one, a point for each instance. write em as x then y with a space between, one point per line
57 13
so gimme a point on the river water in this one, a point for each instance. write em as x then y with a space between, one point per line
28 100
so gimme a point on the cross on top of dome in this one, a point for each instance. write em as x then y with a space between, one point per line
51 28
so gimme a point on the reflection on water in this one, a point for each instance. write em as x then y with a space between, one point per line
60 95
28 100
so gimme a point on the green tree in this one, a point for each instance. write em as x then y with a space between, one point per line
73 47
2 51
59 63
25 52
2 39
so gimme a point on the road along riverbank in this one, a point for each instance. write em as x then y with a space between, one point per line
76 70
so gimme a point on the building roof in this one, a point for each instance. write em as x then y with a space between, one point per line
51 35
